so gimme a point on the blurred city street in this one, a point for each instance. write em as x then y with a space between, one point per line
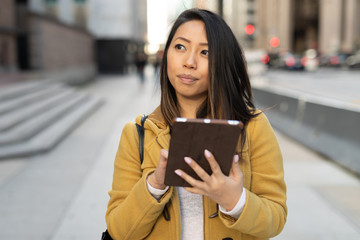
62 194
328 83
72 73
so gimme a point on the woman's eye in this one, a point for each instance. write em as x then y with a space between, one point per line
179 47
205 52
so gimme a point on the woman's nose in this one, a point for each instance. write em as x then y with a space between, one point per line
190 61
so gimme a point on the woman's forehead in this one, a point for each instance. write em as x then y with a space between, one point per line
192 30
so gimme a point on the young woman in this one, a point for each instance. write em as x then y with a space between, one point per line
203 75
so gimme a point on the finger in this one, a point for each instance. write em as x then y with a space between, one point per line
164 153
235 170
212 162
163 158
156 179
197 169
194 190
192 181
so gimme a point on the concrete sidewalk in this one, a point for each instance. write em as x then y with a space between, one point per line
322 197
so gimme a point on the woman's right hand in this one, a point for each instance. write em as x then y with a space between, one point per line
157 178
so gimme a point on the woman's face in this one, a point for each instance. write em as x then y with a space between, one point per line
187 61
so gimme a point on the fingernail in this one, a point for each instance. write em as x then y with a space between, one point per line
236 158
207 153
187 160
178 172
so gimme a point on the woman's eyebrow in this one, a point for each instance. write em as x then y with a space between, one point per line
187 40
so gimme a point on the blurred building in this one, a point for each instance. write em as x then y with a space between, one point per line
8 34
241 15
339 25
274 21
296 25
71 39
119 27
325 25
48 37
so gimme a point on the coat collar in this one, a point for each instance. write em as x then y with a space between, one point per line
156 123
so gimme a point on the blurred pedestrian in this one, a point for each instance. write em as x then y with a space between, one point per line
203 75
157 64
141 60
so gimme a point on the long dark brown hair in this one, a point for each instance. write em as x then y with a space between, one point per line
229 92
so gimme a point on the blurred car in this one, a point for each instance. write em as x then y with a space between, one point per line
283 59
271 60
353 61
333 60
291 61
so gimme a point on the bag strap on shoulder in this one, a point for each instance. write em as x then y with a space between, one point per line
141 130
141 134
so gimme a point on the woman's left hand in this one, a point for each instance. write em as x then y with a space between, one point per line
225 190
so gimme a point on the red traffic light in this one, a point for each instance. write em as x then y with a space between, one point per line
274 42
249 29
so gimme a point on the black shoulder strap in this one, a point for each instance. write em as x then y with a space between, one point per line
141 131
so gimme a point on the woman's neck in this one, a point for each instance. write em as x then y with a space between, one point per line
189 107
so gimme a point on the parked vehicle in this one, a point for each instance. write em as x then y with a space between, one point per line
271 60
333 60
353 61
291 61
283 59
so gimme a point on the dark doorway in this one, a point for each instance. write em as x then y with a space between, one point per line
22 39
23 52
115 56
306 25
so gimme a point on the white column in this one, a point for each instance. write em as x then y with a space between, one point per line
350 25
330 25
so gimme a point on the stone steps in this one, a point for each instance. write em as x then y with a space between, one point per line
16 102
19 89
36 116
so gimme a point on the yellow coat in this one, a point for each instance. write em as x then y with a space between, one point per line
133 213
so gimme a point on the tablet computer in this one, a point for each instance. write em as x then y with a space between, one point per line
190 137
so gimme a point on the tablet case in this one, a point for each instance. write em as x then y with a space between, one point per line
190 137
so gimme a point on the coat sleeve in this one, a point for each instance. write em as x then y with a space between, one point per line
265 210
132 211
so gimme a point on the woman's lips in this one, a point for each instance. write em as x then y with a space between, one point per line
187 78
